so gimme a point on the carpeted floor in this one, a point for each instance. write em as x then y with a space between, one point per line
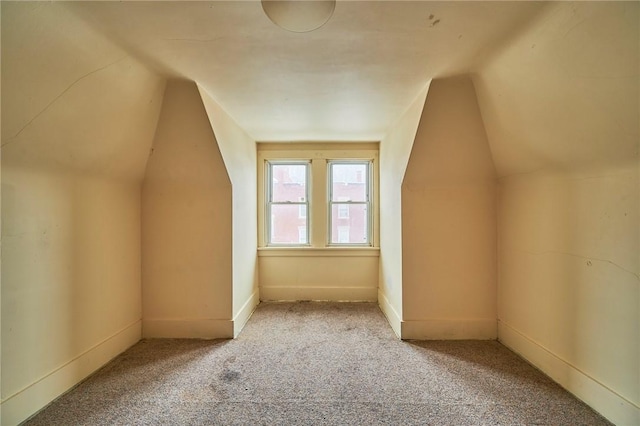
317 363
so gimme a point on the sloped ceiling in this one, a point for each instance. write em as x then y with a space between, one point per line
71 99
349 80
557 82
564 94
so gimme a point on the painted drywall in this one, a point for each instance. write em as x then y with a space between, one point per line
350 80
449 220
563 95
323 274
77 123
560 104
239 154
46 79
70 284
186 224
395 149
569 281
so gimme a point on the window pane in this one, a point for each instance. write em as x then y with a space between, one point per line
352 229
287 227
302 234
288 182
343 234
349 182
343 211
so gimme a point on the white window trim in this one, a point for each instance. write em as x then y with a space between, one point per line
318 155
368 200
268 236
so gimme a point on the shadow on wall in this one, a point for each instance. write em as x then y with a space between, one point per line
186 224
449 220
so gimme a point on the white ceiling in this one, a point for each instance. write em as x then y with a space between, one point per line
350 80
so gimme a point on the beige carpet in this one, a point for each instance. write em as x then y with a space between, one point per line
317 363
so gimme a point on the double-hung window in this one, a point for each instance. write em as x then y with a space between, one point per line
287 202
319 196
349 187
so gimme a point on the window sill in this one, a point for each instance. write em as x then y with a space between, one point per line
352 251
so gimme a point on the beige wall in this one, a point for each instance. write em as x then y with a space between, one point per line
569 281
323 274
449 221
77 124
395 149
560 105
186 224
239 153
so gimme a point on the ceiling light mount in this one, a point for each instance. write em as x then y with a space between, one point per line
299 16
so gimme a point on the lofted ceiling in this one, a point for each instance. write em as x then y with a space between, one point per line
349 80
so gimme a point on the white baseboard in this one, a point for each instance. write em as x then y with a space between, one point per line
241 318
607 402
334 294
28 401
392 316
187 328
446 329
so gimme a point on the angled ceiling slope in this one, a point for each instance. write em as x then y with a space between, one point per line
349 80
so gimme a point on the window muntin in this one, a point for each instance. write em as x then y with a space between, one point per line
287 202
349 202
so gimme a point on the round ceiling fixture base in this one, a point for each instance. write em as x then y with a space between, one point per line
299 16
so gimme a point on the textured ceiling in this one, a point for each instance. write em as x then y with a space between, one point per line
350 80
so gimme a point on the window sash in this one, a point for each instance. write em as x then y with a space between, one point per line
367 203
269 215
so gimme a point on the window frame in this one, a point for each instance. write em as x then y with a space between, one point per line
317 154
269 203
368 180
